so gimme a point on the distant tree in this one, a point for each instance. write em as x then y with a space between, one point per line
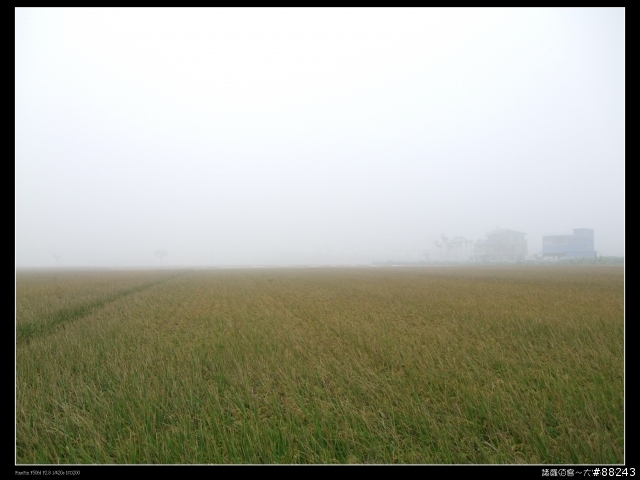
467 244
446 245
455 244
452 249
160 254
459 244
451 245
438 244
57 257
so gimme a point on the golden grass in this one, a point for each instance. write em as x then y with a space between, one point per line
411 365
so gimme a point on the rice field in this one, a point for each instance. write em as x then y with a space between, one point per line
455 365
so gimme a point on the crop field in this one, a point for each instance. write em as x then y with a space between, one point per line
451 365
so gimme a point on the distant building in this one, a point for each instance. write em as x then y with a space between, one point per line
501 245
578 245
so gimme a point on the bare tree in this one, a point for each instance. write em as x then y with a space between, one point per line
57 257
160 254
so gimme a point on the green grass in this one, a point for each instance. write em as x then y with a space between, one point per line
423 365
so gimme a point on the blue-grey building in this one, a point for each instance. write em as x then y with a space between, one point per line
578 245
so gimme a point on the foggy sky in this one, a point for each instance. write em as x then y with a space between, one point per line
312 136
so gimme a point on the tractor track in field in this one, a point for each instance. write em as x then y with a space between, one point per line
28 331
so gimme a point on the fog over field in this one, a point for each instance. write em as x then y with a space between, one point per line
312 136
